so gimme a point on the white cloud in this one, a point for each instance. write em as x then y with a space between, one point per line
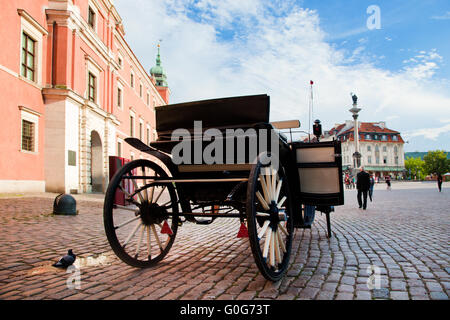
277 50
429 133
445 16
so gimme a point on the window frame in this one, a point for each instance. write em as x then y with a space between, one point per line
132 122
32 117
91 14
92 87
132 79
36 32
25 52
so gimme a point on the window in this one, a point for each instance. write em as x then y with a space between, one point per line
30 48
384 159
28 136
384 149
140 131
91 87
131 126
140 90
368 137
384 137
377 149
396 160
369 148
132 79
369 159
91 17
119 97
377 160
28 57
119 61
119 148
148 135
148 98
394 138
375 137
395 150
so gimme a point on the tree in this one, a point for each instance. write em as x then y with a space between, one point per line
415 168
436 162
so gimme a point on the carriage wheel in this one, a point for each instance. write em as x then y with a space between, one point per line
269 218
140 216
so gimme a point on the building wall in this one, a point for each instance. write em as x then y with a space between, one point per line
19 169
68 49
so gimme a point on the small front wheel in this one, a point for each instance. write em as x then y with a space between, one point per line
140 215
269 219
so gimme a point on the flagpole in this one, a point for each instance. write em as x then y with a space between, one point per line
310 110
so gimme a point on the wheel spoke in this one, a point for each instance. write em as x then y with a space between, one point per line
267 242
136 188
159 195
139 242
144 181
149 248
133 232
269 186
274 183
130 197
262 214
118 206
262 201
283 229
280 241
127 222
280 204
263 229
277 192
262 181
156 237
272 249
277 248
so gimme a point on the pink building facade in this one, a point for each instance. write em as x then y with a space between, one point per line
72 91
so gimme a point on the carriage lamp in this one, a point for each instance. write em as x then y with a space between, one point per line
317 129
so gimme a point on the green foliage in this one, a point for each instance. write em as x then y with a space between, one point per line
415 168
436 162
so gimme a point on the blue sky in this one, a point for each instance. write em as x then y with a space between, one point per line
400 72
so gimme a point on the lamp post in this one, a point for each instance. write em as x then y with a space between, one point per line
355 110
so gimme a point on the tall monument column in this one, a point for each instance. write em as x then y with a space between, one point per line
355 110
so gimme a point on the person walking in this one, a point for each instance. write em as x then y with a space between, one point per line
372 183
363 186
439 182
388 182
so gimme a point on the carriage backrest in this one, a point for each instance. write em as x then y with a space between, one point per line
230 112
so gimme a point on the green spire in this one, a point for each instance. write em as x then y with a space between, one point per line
158 72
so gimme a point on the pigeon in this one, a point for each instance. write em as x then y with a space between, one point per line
66 261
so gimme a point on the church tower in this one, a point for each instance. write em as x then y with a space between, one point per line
159 78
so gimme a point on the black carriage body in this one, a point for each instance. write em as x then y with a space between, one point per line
246 112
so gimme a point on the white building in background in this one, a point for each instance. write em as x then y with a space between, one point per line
381 148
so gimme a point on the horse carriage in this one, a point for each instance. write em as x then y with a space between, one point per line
221 158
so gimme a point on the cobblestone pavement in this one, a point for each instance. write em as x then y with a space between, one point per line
403 233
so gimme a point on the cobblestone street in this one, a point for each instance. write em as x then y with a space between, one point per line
404 234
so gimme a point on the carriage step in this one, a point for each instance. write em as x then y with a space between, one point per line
243 231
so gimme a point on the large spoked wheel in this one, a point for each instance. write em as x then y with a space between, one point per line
269 219
140 215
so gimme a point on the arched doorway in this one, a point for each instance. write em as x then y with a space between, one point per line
96 162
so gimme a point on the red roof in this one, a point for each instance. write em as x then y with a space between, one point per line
367 127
